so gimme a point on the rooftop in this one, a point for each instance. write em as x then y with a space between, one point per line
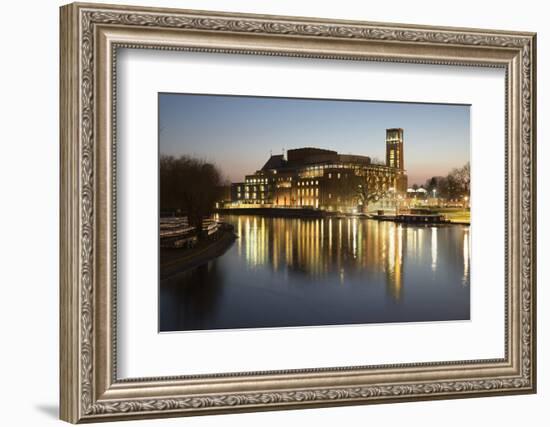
309 156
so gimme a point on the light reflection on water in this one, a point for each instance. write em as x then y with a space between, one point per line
326 271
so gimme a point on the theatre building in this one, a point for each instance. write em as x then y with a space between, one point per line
324 179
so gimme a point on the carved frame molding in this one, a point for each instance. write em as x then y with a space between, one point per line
90 37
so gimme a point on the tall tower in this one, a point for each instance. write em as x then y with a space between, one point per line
394 148
395 157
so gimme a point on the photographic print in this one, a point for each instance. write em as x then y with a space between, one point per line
291 212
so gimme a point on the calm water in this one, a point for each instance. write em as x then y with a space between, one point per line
299 272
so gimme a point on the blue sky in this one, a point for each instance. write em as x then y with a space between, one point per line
237 133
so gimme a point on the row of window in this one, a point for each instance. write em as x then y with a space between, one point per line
254 196
303 192
308 191
335 166
256 180
300 183
252 188
308 183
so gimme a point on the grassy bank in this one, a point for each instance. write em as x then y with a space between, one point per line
453 214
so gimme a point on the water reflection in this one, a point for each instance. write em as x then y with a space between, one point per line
434 248
466 257
358 245
294 272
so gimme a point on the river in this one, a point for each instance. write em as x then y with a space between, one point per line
305 272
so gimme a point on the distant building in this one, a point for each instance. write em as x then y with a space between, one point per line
416 196
325 179
417 193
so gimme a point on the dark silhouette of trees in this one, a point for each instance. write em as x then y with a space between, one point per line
432 183
462 179
453 186
190 185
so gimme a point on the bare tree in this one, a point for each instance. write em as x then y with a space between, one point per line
190 185
463 177
456 184
432 183
371 189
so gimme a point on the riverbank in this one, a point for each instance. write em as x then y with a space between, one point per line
445 215
428 218
178 260
277 212
456 216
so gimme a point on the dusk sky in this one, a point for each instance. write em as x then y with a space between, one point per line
237 133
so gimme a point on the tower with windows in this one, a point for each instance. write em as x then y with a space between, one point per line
394 148
395 156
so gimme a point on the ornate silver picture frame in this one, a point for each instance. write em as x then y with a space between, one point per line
91 35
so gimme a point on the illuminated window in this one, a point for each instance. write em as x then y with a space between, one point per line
329 176
338 175
329 196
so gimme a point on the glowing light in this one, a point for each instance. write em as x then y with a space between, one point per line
434 248
400 244
354 237
466 256
391 249
330 234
